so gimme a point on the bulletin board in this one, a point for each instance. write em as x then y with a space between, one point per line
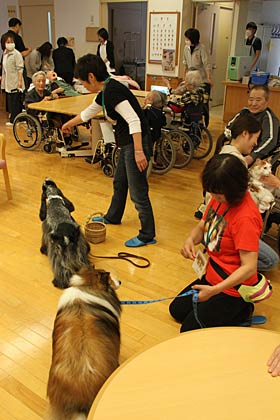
164 35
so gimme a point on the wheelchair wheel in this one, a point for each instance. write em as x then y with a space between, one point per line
108 169
183 146
27 131
115 155
164 155
202 140
275 164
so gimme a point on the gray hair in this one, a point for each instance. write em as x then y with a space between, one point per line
37 74
193 77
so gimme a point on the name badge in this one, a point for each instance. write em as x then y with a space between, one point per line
200 263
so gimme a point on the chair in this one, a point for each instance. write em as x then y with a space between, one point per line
3 166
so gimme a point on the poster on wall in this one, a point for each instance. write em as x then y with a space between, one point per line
164 35
168 61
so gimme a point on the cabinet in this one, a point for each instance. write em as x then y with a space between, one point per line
236 98
153 79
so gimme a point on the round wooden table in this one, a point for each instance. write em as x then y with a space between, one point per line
213 374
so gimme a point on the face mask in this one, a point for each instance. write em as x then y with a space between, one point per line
10 47
188 42
248 33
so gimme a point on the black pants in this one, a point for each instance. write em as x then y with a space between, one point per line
220 310
14 101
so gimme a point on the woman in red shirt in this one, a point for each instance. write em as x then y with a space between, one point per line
230 229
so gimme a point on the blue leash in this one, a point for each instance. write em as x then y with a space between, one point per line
255 320
190 292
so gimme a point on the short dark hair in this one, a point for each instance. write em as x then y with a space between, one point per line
4 38
226 174
61 41
103 33
264 88
251 25
14 22
45 49
193 35
91 63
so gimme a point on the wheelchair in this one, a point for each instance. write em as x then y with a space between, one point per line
30 132
163 158
191 125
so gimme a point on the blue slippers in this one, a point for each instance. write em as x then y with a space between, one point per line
135 242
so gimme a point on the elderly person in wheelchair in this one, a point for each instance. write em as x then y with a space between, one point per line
33 126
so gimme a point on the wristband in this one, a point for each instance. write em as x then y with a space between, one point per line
138 151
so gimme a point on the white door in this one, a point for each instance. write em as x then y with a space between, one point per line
215 25
37 25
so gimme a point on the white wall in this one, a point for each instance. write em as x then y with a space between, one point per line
4 14
71 19
164 6
271 12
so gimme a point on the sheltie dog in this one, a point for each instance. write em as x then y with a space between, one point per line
86 343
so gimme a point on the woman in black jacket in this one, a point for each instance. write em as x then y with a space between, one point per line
105 50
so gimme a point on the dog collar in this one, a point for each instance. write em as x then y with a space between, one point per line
51 197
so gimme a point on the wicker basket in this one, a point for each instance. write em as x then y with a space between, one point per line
95 232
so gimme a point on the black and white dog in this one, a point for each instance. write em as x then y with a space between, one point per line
62 240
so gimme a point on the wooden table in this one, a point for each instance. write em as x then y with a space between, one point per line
209 374
236 98
73 105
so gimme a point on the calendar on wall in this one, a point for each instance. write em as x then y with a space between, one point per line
164 35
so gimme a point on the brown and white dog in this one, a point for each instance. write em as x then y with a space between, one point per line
86 343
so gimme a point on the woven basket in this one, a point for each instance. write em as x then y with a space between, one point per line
95 232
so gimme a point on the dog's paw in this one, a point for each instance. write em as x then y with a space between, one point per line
44 250
60 284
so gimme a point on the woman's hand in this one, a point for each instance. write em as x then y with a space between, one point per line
274 362
188 249
270 181
205 292
66 128
141 160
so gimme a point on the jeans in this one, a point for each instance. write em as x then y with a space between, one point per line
267 257
128 177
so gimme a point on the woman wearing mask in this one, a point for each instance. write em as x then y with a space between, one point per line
196 58
12 80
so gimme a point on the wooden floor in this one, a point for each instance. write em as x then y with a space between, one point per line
28 298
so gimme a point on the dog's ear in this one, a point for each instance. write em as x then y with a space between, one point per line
43 208
68 204
104 277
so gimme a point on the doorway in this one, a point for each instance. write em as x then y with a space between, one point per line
215 26
127 24
38 24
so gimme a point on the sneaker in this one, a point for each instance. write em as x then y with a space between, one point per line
9 124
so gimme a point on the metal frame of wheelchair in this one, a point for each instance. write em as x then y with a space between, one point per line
192 140
163 158
30 132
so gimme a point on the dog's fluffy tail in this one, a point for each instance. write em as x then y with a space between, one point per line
55 414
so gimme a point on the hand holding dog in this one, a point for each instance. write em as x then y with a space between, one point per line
274 362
